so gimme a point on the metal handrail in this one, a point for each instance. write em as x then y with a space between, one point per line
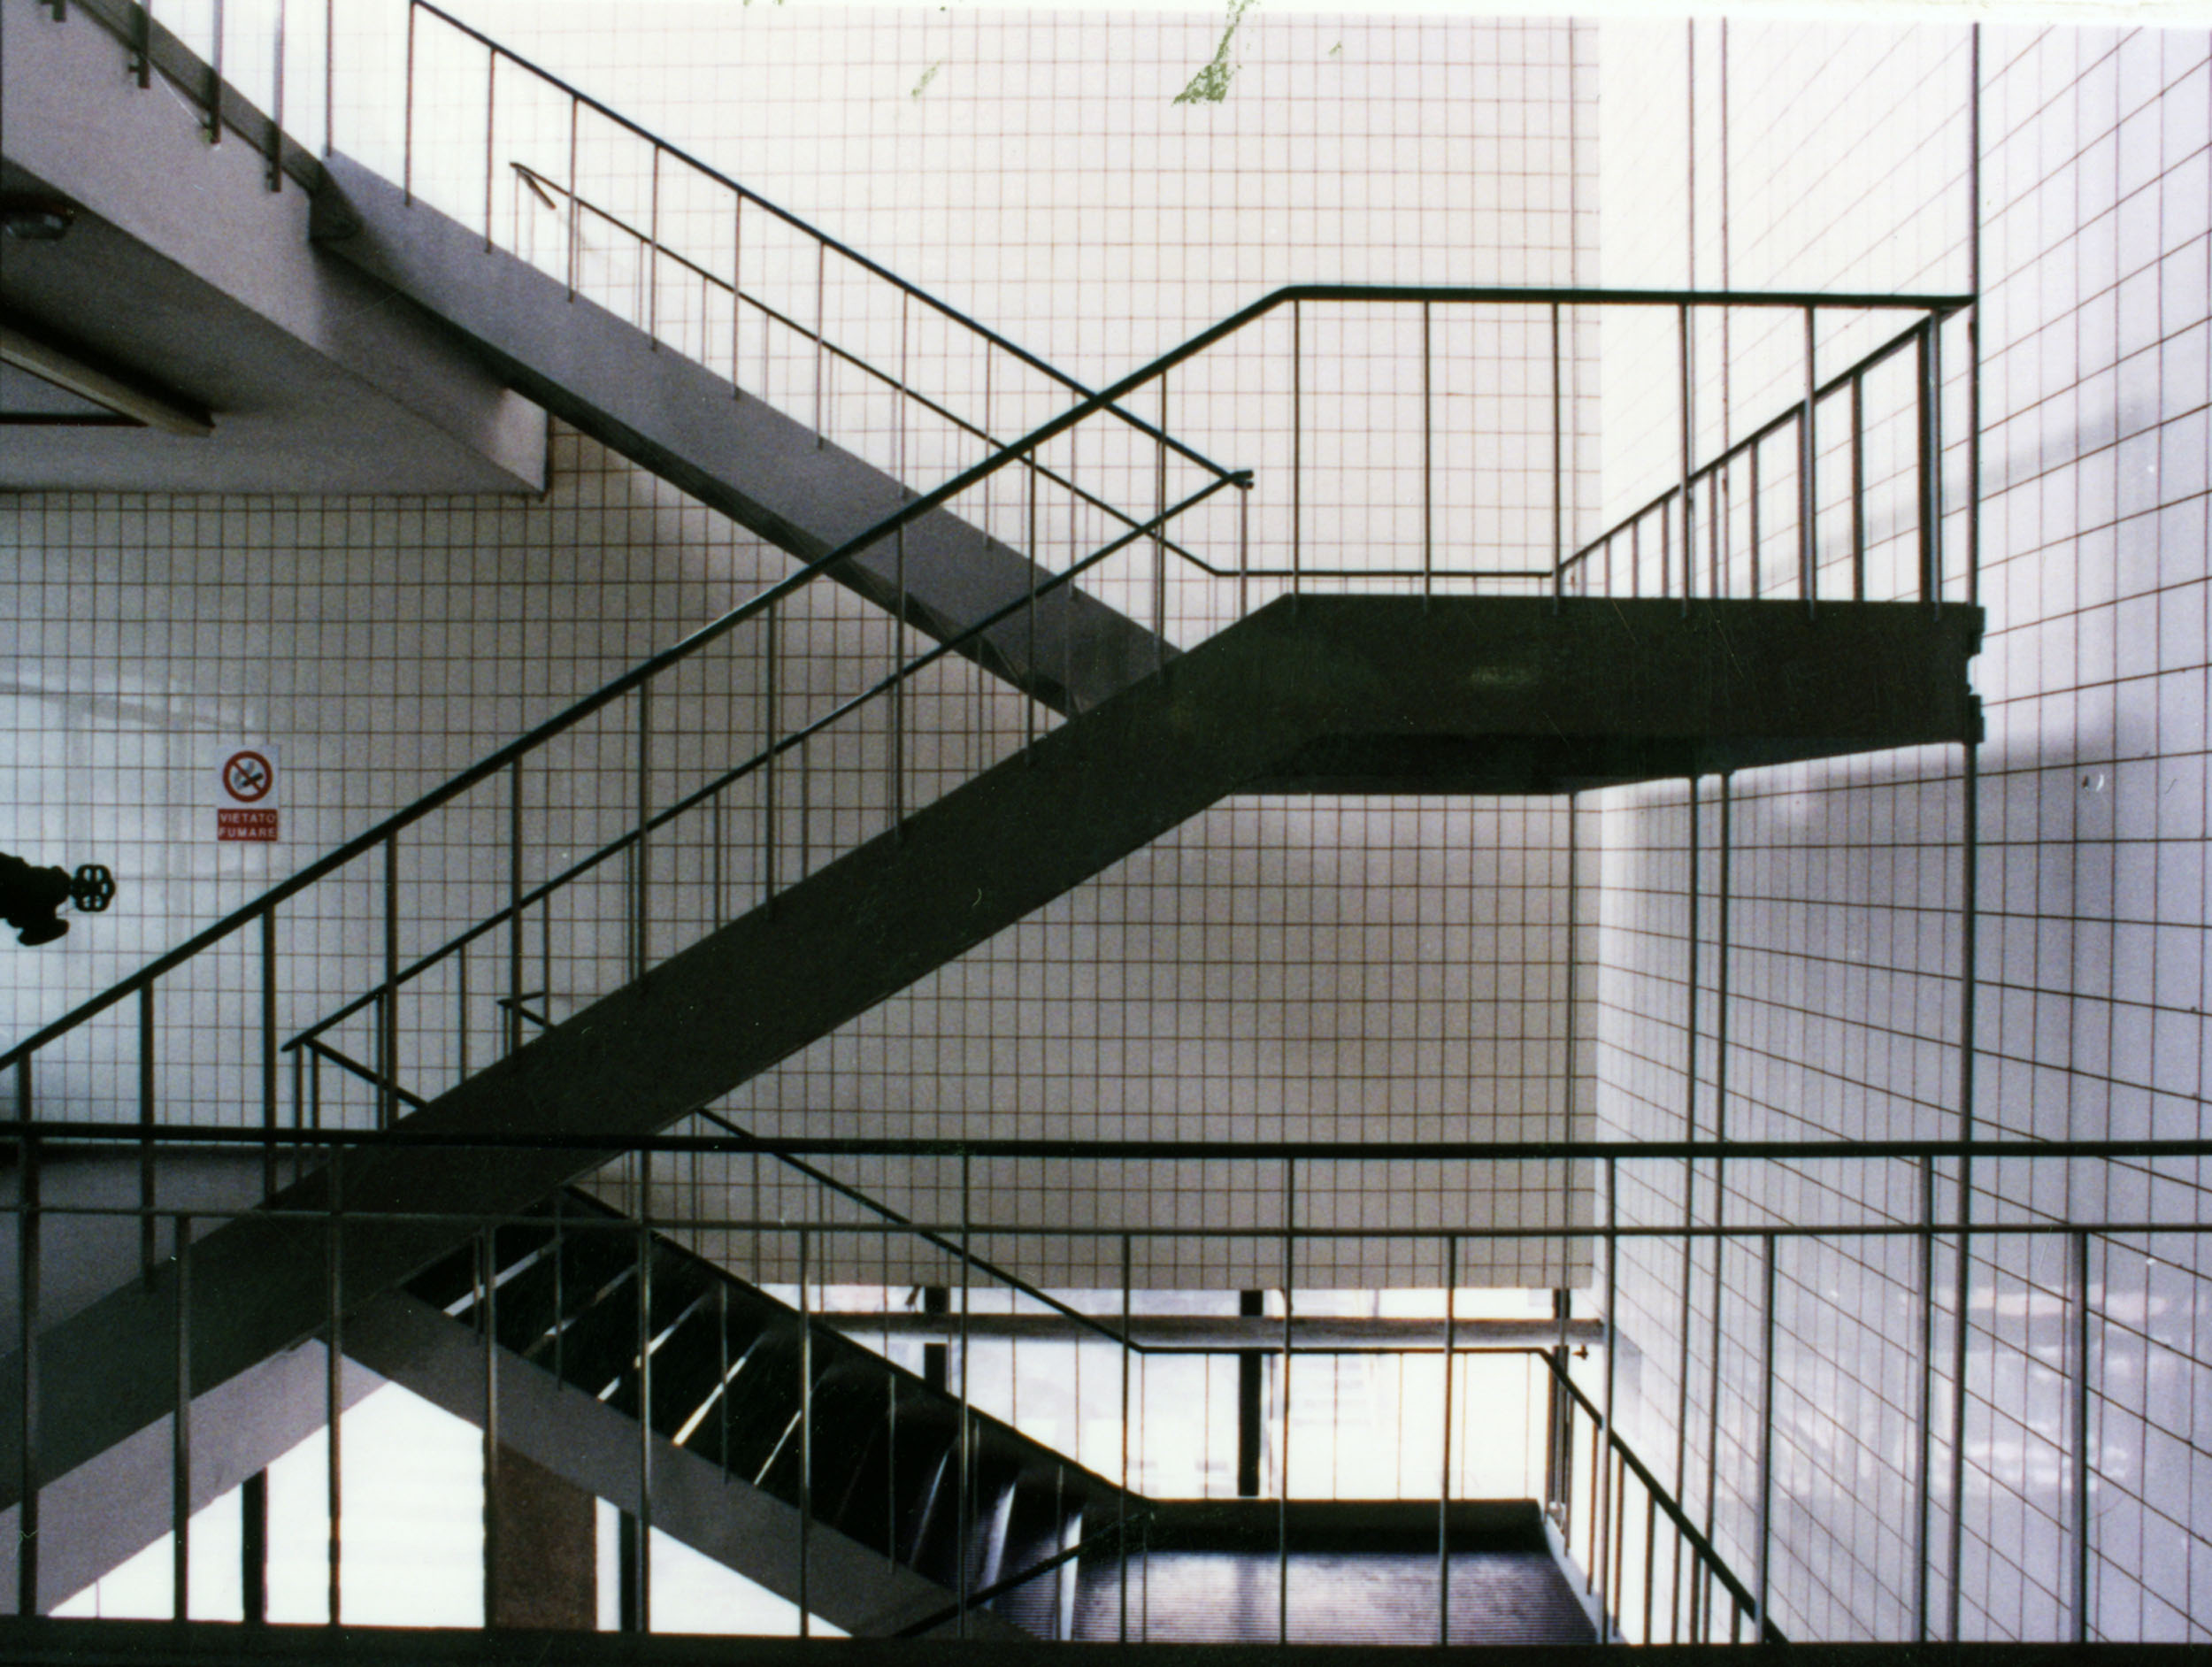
1116 1530
1707 1554
920 506
846 251
1834 385
543 184
798 738
158 48
940 1242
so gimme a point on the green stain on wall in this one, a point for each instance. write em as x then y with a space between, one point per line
1210 85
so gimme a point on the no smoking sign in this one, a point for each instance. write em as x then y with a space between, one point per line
246 794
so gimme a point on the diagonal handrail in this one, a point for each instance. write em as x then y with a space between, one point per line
845 251
775 749
1707 1553
549 188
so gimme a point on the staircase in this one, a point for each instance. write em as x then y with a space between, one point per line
581 1296
1464 694
1405 693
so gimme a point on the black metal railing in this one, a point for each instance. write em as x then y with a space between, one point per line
1654 1572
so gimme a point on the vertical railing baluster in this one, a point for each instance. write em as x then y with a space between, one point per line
737 300
2078 1413
1428 473
1689 448
1244 548
1757 525
215 75
821 294
1121 1500
269 1049
653 258
1607 1445
1858 488
180 1436
1159 540
407 130
387 1061
461 1015
640 874
27 1274
491 147
643 1592
898 688
146 1251
28 1279
334 1378
1766 1436
1282 1400
143 69
276 114
1933 334
575 202
1807 497
1297 449
514 905
1558 470
1444 1479
967 1450
806 1438
1924 437
773 625
1029 703
487 1341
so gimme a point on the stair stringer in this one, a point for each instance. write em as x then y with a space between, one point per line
682 421
1578 693
593 1447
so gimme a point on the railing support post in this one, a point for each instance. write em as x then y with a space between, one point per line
806 1436
180 1436
276 113
407 135
2080 1420
1689 450
641 1586
1121 1500
1808 496
1282 1499
1766 1433
641 856
491 148
269 1049
28 1272
146 1249
334 1379
387 1040
575 203
215 74
514 905
1558 470
1444 1479
1428 474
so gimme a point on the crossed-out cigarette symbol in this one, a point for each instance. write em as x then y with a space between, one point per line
247 776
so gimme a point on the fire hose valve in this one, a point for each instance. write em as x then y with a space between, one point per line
29 897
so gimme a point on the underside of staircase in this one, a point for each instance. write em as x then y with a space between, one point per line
729 448
582 1296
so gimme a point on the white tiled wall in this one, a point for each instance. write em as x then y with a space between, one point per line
1362 966
1845 164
